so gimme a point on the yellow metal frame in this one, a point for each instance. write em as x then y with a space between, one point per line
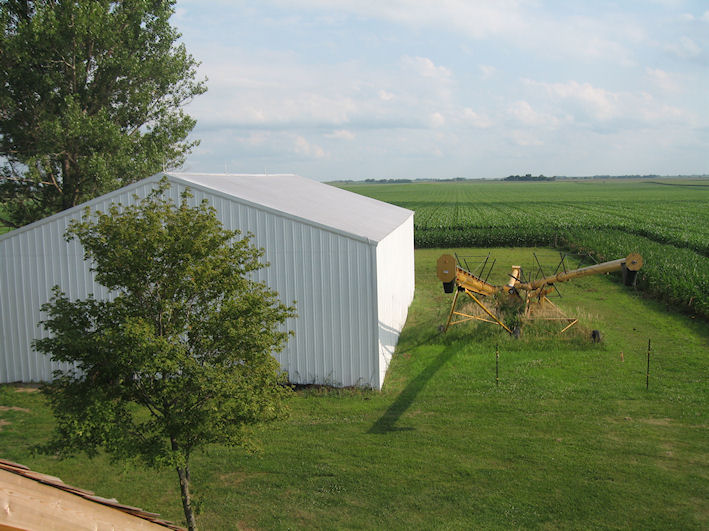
467 317
544 300
528 313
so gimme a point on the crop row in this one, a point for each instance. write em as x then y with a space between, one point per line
677 275
667 222
680 226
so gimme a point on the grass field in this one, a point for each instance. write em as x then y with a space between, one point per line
570 439
667 221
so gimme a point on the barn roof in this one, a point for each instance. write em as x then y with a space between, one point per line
286 194
307 200
44 508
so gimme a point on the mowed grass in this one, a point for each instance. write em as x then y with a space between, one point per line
570 439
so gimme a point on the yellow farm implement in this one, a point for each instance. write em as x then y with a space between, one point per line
529 296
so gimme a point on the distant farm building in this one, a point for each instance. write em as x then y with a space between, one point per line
347 261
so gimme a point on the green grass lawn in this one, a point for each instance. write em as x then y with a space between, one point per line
570 439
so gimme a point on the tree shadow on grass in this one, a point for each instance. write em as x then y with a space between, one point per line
386 423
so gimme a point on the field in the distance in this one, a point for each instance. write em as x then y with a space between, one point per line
570 439
665 220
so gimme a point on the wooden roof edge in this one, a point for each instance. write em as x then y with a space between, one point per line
6 463
53 481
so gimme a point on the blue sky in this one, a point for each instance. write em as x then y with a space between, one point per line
356 89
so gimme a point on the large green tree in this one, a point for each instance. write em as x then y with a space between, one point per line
181 356
91 98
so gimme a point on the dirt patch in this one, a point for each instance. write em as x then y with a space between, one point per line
668 449
307 518
235 478
232 478
656 422
14 408
701 509
27 389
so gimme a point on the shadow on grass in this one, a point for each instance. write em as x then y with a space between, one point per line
386 423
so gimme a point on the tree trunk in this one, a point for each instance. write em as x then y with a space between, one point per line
184 474
68 184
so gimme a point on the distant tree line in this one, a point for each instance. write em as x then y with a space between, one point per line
387 181
529 177
403 181
634 176
648 176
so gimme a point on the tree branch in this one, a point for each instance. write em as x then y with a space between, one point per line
53 182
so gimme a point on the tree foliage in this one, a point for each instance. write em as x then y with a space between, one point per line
180 356
91 97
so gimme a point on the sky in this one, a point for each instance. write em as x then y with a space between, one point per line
418 89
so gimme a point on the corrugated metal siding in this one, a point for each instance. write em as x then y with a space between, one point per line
395 290
33 259
330 276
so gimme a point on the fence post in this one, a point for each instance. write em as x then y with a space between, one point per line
647 374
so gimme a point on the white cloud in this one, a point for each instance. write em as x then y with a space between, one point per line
524 23
329 93
424 67
302 147
662 79
650 111
600 105
436 119
269 89
525 138
279 91
385 95
342 134
487 71
478 19
523 112
686 48
255 138
476 120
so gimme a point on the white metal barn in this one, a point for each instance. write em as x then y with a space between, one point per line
347 261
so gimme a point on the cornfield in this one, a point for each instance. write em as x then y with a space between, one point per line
667 221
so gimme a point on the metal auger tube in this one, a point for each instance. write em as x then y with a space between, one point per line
632 262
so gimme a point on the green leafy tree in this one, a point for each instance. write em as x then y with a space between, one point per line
182 354
91 98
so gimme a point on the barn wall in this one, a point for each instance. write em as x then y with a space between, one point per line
33 259
395 290
331 278
329 275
